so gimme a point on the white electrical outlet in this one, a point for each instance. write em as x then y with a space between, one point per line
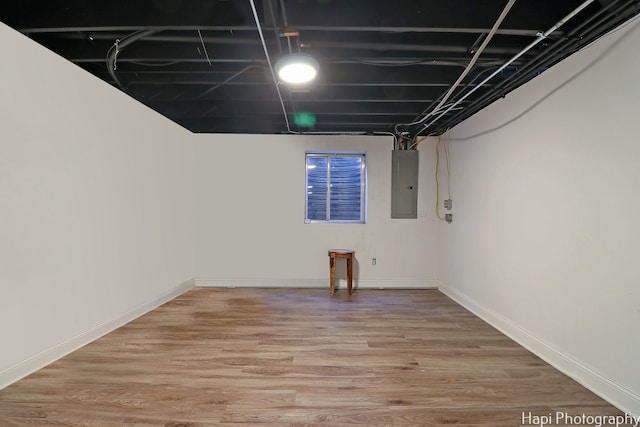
373 261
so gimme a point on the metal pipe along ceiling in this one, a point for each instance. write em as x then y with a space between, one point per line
273 74
548 57
468 68
540 37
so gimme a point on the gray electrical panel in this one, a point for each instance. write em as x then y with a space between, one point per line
404 183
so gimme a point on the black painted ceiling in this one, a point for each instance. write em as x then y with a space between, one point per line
384 64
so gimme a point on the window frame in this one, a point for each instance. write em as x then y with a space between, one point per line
363 186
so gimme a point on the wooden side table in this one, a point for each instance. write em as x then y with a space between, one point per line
341 253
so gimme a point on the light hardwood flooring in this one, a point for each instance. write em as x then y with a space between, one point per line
286 357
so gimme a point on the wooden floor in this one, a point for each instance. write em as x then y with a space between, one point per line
282 357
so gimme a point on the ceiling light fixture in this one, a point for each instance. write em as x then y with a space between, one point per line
297 68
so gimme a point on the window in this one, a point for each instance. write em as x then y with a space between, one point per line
336 187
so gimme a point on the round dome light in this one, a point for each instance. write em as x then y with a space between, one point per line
297 68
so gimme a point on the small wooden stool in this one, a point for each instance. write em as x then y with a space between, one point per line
341 253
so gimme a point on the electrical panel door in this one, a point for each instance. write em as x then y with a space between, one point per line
404 183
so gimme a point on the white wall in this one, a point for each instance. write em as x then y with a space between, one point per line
250 216
96 207
546 231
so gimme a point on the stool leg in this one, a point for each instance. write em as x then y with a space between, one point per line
350 273
332 274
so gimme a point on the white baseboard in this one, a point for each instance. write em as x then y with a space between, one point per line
208 282
26 367
624 399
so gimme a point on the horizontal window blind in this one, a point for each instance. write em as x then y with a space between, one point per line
335 187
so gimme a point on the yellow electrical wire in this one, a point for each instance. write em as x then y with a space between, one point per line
446 154
445 147
437 207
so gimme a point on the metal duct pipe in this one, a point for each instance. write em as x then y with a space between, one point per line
546 58
466 71
541 36
574 42
534 66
